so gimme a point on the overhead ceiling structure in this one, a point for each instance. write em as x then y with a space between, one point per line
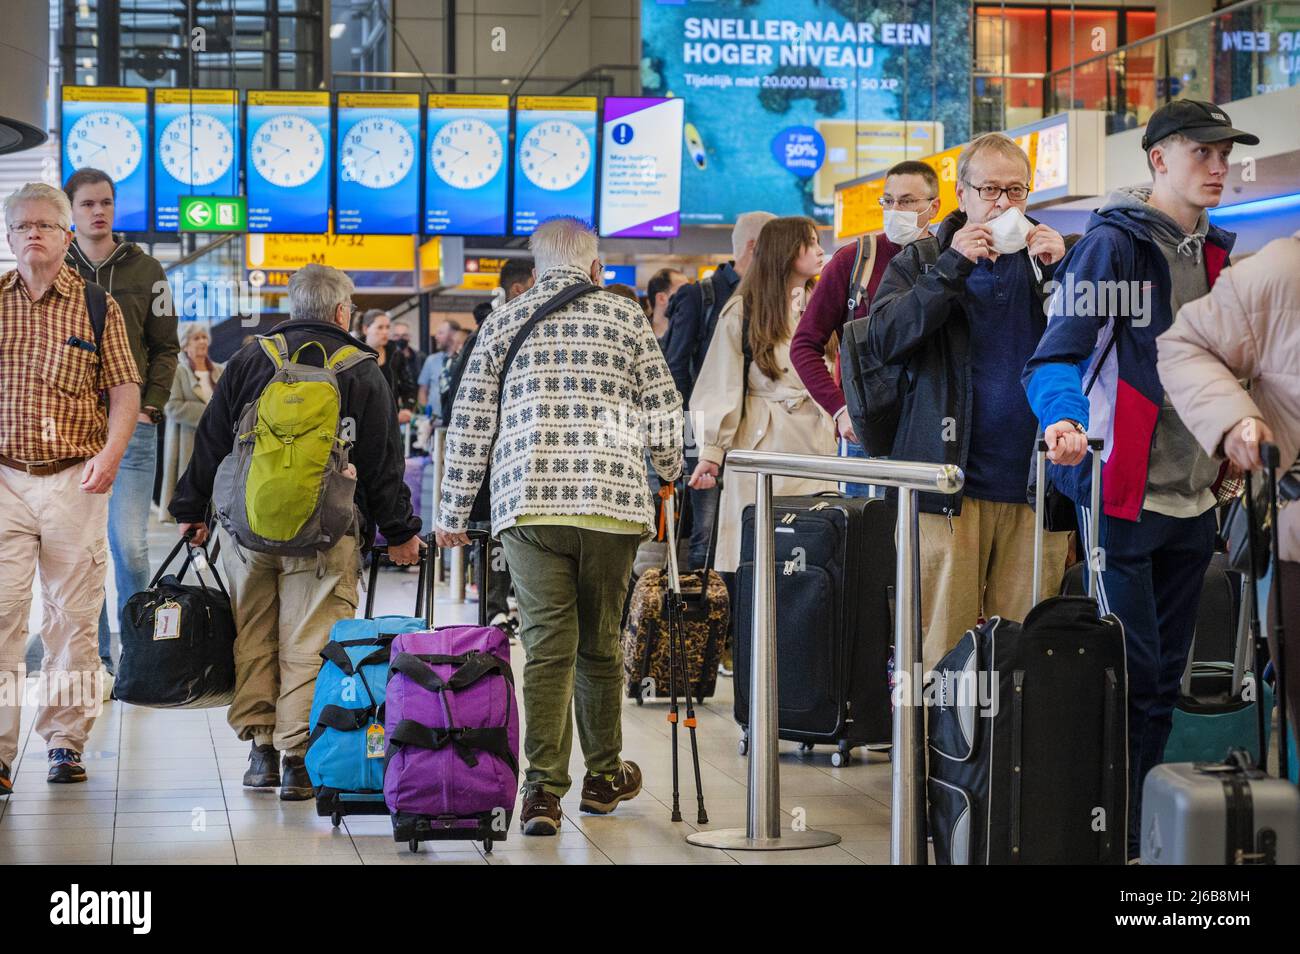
24 74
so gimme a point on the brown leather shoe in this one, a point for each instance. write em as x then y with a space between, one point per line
541 812
602 793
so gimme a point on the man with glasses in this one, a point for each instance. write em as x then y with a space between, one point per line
139 286
963 310
910 201
62 344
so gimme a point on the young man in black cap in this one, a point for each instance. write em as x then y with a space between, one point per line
1147 252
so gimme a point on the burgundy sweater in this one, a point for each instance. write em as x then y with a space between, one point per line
825 315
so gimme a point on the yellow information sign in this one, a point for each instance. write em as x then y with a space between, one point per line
288 97
104 94
857 204
576 104
379 100
468 101
351 253
197 97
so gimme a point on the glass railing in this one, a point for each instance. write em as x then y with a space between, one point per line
1244 50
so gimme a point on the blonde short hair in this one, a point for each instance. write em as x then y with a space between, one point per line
993 142
40 192
191 328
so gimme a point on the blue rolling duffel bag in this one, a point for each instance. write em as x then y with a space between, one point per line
345 742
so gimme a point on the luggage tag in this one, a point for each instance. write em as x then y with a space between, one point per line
375 741
167 620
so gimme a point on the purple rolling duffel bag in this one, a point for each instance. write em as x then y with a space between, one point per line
452 727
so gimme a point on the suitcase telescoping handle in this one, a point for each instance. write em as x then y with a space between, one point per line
483 539
1093 549
378 555
1271 458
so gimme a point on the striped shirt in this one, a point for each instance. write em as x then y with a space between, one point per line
50 406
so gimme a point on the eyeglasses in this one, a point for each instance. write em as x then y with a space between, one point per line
991 193
904 202
45 228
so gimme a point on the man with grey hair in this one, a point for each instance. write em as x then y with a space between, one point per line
284 607
62 343
692 315
559 437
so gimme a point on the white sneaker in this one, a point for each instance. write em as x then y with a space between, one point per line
107 678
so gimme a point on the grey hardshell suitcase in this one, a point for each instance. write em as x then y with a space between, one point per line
1219 813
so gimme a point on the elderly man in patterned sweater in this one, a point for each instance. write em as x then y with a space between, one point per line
560 436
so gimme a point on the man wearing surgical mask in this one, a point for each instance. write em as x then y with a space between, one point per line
910 201
962 310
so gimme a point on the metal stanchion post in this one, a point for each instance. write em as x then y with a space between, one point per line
763 811
762 830
907 844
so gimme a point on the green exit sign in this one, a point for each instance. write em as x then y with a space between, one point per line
212 213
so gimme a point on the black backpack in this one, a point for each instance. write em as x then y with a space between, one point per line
874 391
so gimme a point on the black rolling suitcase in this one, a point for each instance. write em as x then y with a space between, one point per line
834 623
1028 739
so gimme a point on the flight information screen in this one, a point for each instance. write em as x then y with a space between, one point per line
287 136
466 187
555 159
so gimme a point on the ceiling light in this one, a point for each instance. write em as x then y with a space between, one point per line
337 30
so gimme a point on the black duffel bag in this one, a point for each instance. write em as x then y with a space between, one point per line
178 641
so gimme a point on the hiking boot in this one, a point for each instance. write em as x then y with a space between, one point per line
6 780
296 786
65 766
602 793
541 812
263 767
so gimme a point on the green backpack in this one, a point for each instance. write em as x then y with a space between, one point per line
287 488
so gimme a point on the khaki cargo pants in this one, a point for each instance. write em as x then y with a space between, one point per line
49 524
284 610
980 568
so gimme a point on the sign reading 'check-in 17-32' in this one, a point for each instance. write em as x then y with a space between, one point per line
213 213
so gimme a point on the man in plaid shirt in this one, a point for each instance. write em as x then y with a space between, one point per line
59 453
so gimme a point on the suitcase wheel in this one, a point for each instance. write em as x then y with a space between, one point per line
414 845
743 745
842 756
336 819
806 748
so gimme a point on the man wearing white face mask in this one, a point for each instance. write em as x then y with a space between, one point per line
910 201
962 311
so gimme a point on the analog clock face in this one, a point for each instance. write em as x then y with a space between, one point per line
555 155
377 153
196 149
288 151
466 153
107 141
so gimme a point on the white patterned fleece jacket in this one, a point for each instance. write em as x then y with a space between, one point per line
587 393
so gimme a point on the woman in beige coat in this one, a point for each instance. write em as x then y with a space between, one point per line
192 387
1248 329
775 411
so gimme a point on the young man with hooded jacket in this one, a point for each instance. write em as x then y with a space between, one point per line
962 311
139 286
1146 253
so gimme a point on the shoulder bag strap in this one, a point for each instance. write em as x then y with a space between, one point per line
97 308
864 263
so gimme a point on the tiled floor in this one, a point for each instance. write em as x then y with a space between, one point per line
165 788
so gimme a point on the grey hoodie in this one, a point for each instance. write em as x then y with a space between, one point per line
1179 473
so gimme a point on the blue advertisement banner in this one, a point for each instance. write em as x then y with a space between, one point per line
196 148
287 166
786 98
107 128
555 159
467 176
377 185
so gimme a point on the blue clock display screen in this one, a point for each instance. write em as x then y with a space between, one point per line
288 161
377 170
196 148
555 160
107 128
466 173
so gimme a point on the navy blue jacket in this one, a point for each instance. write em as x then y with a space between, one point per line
690 330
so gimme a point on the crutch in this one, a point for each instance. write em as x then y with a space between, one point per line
677 658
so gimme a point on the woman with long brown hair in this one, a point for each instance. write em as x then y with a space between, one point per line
760 403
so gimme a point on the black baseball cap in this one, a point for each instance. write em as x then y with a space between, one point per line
1203 122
